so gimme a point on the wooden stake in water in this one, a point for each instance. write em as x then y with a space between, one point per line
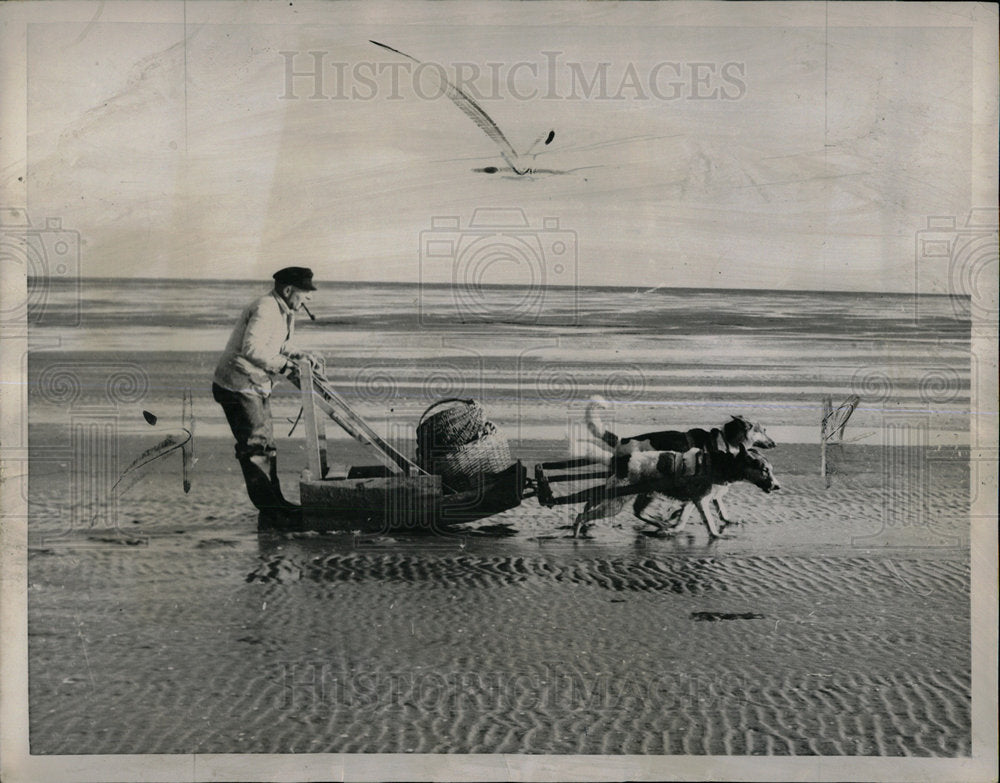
187 450
833 425
827 410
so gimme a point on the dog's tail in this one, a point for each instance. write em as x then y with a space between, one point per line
607 439
591 443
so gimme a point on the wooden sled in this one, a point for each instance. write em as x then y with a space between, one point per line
398 493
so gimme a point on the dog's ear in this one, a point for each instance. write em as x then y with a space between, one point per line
736 430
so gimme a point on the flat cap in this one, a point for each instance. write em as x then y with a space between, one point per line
298 276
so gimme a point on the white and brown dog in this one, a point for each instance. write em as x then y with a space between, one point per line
699 468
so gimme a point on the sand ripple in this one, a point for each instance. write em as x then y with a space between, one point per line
234 644
678 574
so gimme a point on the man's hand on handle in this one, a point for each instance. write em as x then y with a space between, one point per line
291 369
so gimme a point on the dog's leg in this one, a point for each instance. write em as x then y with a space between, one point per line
706 517
585 517
723 513
582 518
590 511
679 516
683 514
642 502
663 525
605 508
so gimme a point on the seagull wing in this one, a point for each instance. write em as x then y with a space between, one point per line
471 109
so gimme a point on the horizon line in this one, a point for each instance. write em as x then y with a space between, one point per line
105 278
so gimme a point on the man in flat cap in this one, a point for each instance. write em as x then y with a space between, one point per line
259 349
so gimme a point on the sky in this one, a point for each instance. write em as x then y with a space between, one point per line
732 146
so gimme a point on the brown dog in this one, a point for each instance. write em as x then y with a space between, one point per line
735 434
690 476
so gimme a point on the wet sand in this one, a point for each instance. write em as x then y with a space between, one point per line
810 629
834 621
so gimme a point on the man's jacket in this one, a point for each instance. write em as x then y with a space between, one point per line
258 347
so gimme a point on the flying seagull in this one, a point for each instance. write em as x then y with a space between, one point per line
475 112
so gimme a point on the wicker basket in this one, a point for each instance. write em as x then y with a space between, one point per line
462 466
459 423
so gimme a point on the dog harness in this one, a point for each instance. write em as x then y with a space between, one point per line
693 463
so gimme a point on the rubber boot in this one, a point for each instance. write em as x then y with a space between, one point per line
260 476
286 505
255 476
